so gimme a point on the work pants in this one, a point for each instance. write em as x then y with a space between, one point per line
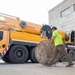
59 49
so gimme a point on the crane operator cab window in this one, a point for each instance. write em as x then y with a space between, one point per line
46 31
43 33
73 36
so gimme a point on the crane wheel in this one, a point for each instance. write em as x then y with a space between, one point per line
62 58
32 55
6 59
18 54
72 54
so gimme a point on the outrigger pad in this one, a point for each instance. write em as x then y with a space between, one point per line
43 52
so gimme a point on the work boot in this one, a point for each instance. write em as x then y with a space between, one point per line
69 65
50 65
46 64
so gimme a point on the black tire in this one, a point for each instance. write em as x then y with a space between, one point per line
72 54
32 56
18 54
23 24
62 58
6 59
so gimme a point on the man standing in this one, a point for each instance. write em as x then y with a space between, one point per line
59 47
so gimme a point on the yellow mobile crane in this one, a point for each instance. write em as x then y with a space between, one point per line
18 39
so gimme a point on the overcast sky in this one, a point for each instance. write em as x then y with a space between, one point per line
35 11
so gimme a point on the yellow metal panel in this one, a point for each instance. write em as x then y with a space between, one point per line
8 21
26 36
4 41
32 28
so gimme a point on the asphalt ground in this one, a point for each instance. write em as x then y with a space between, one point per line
35 69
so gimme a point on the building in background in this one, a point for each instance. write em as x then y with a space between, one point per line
63 15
